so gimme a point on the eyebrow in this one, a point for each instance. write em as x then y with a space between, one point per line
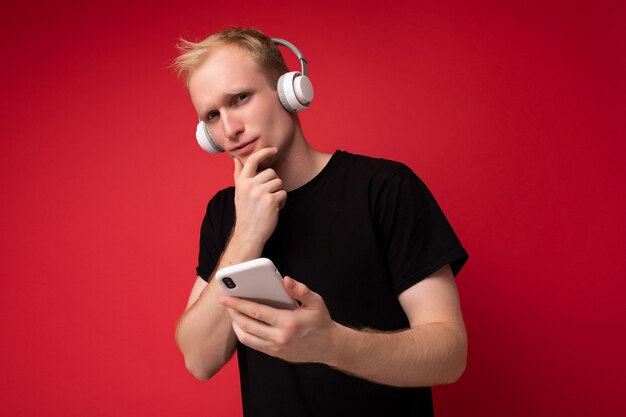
226 96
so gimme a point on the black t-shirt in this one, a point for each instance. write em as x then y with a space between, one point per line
359 234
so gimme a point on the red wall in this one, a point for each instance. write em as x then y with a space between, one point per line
512 113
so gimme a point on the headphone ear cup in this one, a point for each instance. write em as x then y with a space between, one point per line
205 140
304 90
295 91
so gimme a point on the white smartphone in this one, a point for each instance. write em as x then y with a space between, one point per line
257 280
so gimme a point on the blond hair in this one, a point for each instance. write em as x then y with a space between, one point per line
250 40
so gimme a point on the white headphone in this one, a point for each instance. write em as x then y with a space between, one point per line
295 92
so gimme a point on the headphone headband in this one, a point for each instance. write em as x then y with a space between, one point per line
296 51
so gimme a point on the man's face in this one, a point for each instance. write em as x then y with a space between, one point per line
233 97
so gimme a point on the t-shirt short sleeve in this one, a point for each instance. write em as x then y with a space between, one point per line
413 231
215 231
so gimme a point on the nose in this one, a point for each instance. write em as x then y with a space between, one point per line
231 125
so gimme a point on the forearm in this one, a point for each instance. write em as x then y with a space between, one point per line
425 355
204 333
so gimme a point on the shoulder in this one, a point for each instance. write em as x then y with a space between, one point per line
222 197
219 216
377 172
371 166
369 163
221 203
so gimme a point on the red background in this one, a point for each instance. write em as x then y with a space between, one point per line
512 112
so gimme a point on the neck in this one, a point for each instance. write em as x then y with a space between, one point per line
300 164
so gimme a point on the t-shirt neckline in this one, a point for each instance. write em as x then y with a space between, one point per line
325 172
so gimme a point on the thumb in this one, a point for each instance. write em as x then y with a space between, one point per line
299 291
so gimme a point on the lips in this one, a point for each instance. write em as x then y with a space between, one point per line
244 148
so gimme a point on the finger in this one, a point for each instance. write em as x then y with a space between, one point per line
265 175
254 327
251 309
274 185
281 197
250 340
238 168
300 292
252 164
270 186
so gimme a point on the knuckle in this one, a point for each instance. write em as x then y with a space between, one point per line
243 338
268 199
237 330
244 185
281 341
245 327
256 313
252 159
291 327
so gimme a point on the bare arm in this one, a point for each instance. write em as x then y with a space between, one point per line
204 333
431 352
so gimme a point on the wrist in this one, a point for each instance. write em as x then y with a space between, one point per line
342 344
244 246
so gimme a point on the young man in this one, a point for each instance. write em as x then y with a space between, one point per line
369 254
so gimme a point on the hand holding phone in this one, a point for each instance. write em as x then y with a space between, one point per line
257 280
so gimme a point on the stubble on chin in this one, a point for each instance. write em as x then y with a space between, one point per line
265 164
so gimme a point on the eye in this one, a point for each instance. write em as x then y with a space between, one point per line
242 97
212 114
